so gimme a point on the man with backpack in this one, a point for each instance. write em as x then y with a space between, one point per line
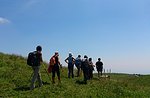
54 67
34 60
85 68
78 64
70 61
91 68
99 66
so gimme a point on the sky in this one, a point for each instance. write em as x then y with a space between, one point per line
117 31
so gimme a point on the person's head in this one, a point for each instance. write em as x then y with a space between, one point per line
56 53
39 48
70 54
79 56
90 59
99 59
85 56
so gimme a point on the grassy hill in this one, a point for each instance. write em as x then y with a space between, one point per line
15 78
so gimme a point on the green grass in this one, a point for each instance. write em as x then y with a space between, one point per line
15 78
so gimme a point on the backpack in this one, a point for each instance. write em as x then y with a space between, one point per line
84 64
51 64
32 59
52 61
78 62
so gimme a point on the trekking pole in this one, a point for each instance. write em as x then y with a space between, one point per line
46 72
61 67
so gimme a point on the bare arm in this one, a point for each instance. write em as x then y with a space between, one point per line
66 60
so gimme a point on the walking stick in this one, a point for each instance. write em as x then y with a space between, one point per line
46 72
31 77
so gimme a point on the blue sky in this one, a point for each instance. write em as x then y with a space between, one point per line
118 31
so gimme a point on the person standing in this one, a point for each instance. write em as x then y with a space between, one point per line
36 68
99 66
78 64
91 68
56 67
85 68
70 61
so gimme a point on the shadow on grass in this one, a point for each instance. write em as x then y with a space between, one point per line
95 78
22 88
45 83
80 82
26 88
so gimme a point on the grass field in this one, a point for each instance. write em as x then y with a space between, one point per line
15 78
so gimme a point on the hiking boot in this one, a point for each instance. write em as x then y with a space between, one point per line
32 87
41 85
53 80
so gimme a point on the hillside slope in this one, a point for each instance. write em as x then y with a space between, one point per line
15 78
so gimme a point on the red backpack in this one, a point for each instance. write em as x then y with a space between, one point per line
51 64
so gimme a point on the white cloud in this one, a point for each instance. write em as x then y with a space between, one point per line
4 20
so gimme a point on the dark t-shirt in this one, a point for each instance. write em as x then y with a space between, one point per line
39 58
99 65
56 60
85 64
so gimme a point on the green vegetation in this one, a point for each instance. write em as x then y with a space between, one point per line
15 80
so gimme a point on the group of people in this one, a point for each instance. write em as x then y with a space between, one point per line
85 64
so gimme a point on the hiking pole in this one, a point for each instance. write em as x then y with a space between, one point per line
61 67
31 76
46 72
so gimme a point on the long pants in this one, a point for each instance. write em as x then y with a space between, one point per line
55 69
36 76
90 73
85 72
78 70
70 70
100 70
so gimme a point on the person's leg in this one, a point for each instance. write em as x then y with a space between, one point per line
98 73
85 79
39 78
58 73
69 70
86 75
35 75
78 72
53 74
72 71
101 72
92 74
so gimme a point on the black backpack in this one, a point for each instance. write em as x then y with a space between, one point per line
84 64
32 59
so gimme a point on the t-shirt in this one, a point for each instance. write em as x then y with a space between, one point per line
99 64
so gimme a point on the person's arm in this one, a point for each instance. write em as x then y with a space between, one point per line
96 64
66 60
60 65
41 60
93 64
73 60
59 61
